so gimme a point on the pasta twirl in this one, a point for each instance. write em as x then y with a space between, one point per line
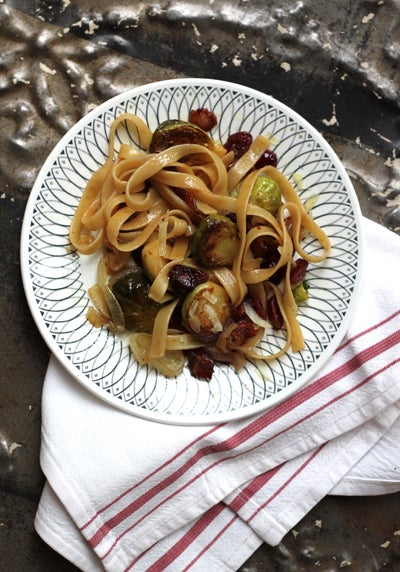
143 208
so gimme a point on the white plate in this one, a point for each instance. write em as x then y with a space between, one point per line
56 278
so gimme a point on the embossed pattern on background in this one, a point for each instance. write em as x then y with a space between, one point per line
47 82
336 63
343 62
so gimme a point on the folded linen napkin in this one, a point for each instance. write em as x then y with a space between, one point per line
124 493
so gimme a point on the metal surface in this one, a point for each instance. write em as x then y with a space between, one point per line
335 63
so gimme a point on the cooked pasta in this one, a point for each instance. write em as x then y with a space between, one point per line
146 210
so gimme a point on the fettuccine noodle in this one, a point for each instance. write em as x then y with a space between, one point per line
136 206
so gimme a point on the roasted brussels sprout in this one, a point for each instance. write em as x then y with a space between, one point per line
300 292
176 132
131 291
215 241
266 194
206 310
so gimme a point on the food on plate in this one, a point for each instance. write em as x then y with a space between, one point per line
201 242
215 241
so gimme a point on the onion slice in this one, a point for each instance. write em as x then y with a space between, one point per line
255 317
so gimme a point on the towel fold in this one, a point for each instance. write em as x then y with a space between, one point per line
124 493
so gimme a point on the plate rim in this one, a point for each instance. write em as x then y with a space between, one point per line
212 418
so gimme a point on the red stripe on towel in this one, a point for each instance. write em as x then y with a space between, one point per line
306 393
185 541
228 446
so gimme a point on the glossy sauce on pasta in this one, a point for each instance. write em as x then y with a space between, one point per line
136 210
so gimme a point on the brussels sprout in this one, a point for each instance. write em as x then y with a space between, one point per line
266 194
206 310
176 132
300 292
216 241
131 290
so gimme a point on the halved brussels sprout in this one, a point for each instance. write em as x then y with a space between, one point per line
131 291
176 132
216 241
266 194
206 310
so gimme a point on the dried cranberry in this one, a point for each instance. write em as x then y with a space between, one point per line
238 313
267 158
245 329
274 313
266 247
298 272
203 118
239 143
278 275
257 306
271 259
184 279
201 365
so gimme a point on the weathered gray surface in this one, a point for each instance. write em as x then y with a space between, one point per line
336 63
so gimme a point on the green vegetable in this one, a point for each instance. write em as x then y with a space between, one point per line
216 241
300 292
131 291
176 132
206 310
266 194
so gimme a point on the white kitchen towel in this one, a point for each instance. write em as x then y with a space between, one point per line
138 495
378 472
220 539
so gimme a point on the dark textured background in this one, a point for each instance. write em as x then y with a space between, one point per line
334 62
